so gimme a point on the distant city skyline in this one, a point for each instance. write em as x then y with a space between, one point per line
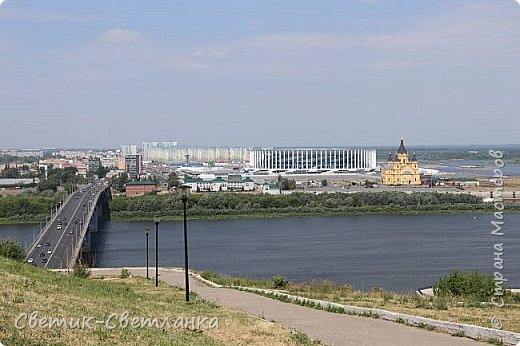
379 147
78 74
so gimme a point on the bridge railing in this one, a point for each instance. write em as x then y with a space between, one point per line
83 232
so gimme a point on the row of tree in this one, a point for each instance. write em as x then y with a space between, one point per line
10 172
26 206
66 178
226 203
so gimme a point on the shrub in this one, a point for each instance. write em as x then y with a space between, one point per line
81 271
10 248
280 282
441 303
125 273
473 285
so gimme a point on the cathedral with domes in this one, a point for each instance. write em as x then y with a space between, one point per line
400 169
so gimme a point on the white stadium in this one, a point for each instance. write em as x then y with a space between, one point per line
313 160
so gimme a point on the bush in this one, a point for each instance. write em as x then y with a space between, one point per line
280 282
10 248
81 271
125 273
441 303
473 285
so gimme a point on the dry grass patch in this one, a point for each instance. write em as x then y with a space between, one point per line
25 289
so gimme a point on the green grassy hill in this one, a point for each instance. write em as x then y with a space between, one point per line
25 289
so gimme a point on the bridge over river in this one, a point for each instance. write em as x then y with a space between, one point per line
67 234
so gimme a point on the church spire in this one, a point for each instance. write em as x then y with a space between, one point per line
402 149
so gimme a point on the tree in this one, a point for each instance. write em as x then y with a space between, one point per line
119 182
101 172
173 179
47 185
10 173
286 184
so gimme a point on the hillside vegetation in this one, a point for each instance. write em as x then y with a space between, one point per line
25 289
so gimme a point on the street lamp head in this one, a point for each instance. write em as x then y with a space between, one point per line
146 232
185 191
156 220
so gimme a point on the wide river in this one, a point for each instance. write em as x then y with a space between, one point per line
398 253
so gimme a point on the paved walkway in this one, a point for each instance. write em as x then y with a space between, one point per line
330 328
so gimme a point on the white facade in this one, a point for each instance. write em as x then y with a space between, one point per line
157 150
171 151
219 184
270 189
313 159
128 150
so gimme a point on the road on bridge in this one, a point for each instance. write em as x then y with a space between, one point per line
55 248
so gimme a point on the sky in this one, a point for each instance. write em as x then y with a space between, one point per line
102 73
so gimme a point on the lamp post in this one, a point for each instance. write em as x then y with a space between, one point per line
185 193
157 220
147 233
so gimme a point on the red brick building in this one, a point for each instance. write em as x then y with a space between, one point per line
138 188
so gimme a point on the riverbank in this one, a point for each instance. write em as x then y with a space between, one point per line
231 206
267 215
273 215
29 221
225 206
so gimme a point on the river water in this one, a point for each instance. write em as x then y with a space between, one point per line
398 253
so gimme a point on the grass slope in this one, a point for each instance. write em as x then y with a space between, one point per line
25 289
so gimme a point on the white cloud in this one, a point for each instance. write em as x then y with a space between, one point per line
121 36
1 2
471 34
